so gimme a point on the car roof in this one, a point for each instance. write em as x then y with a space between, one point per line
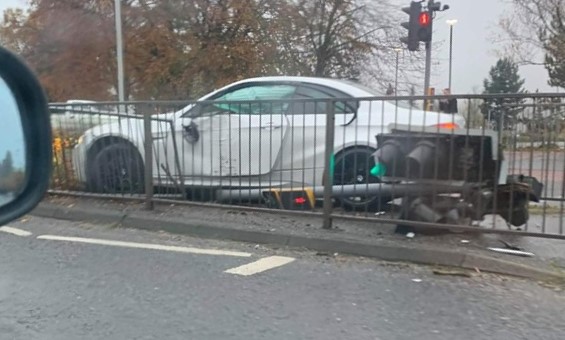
347 87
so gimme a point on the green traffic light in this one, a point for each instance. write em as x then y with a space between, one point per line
378 170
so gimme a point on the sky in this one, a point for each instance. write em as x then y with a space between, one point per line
474 52
11 131
473 49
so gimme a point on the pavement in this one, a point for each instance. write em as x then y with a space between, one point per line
76 280
369 239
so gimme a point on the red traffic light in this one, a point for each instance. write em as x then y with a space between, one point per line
424 19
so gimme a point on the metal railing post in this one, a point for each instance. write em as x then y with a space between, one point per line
328 165
148 171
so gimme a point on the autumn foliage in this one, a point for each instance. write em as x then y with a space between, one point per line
180 49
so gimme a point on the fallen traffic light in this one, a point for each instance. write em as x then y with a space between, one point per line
437 154
389 160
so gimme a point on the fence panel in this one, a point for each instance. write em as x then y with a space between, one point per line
402 160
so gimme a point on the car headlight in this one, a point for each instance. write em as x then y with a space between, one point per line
84 139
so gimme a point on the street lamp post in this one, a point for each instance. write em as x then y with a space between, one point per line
397 50
119 49
451 23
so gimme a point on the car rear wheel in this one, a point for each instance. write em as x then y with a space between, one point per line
116 168
353 166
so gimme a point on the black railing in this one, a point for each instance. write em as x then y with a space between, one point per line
432 169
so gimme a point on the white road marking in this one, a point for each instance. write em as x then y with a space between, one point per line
261 265
177 249
15 231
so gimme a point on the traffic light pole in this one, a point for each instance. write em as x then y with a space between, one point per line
420 29
428 68
428 71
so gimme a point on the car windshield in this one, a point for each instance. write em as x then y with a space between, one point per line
255 99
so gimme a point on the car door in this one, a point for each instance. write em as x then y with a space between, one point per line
238 132
307 117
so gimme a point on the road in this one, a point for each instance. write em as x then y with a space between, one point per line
63 280
547 166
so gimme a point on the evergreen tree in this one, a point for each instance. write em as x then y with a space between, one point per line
7 166
554 46
503 79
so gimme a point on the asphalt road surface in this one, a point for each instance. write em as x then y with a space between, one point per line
547 166
63 280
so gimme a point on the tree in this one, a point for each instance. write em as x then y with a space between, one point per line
534 33
471 110
526 29
68 43
7 165
554 46
180 49
503 79
353 39
11 179
11 29
333 40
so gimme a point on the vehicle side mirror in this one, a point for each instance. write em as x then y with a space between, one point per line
25 139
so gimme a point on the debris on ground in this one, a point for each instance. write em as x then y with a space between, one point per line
465 241
417 280
510 245
512 252
410 235
555 286
323 253
451 272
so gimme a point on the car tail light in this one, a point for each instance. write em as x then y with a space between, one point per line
450 126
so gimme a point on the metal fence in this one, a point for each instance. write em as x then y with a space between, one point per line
393 159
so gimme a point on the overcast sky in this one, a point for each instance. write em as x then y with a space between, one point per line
473 49
11 130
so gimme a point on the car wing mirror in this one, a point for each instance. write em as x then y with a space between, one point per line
25 139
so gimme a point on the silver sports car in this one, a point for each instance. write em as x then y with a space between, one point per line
256 133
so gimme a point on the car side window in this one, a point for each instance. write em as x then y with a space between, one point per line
252 99
314 100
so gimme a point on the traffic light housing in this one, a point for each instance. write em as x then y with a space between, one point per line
443 155
412 41
419 24
425 21
389 158
426 158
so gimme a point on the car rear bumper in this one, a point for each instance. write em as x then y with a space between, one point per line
79 162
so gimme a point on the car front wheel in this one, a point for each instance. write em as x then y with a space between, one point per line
353 166
117 168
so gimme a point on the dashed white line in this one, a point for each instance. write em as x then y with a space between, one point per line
15 231
261 265
177 249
